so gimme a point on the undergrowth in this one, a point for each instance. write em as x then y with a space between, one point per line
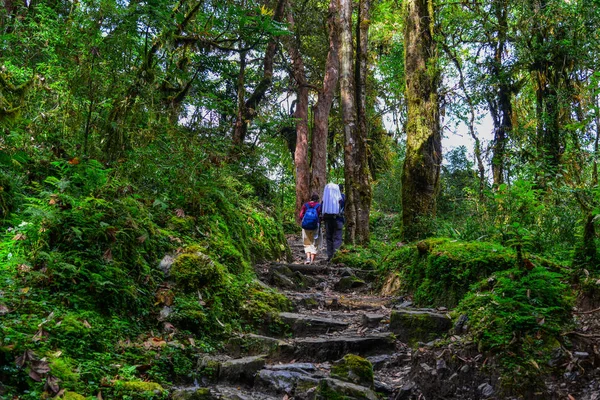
86 303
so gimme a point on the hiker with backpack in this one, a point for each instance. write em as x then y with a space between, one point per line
310 214
332 203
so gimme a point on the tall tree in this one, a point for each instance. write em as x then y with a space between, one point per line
300 115
322 107
247 108
348 104
421 173
362 182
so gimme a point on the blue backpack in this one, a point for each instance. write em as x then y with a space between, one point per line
310 222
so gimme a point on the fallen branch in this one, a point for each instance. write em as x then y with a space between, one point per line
585 335
587 312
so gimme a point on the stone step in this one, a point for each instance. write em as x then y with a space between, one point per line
411 326
311 269
322 348
220 392
304 324
339 302
284 278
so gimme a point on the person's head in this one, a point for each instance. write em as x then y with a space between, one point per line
314 197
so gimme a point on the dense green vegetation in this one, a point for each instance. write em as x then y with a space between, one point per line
149 155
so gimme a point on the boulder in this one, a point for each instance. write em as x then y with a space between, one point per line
302 324
334 389
241 369
411 326
354 369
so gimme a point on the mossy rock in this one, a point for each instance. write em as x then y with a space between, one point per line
347 283
333 389
140 390
418 326
192 271
355 369
193 394
209 369
72 396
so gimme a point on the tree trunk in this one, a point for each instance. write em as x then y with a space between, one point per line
502 113
324 102
348 116
248 109
301 117
363 194
421 173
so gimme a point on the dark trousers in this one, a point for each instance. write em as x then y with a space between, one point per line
333 233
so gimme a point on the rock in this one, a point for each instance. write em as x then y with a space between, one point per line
345 272
193 394
354 369
581 355
405 304
486 390
413 326
379 361
284 381
333 348
304 281
461 324
281 281
406 391
298 367
371 320
241 369
164 313
302 324
333 389
348 283
252 345
381 387
165 264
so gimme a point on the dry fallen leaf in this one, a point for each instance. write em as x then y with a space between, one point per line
86 324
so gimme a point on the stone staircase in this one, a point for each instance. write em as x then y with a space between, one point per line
334 315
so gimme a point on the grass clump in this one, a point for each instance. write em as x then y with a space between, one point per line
518 315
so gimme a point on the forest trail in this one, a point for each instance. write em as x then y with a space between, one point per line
335 313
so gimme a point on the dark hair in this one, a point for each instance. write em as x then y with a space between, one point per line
314 197
341 185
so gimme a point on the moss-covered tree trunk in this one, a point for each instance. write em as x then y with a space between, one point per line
324 102
363 193
421 173
348 116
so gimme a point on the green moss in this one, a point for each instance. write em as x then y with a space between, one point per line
440 271
517 316
324 392
355 369
182 224
141 390
73 396
193 271
64 369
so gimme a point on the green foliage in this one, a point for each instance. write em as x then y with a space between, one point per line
440 271
195 271
518 315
